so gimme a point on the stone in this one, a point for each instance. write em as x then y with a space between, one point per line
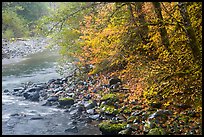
53 98
51 81
36 118
72 129
108 128
94 117
34 96
66 101
30 90
6 91
90 111
17 89
57 89
89 105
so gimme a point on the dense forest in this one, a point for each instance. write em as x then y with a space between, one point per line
19 18
155 48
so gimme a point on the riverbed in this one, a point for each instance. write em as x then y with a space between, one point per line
22 117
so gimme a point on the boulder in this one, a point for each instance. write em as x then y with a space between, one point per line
53 98
108 128
66 101
94 117
6 91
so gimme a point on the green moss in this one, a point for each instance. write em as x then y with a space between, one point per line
109 128
108 96
156 131
109 109
65 99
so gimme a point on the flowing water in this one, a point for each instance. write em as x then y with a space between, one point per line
17 113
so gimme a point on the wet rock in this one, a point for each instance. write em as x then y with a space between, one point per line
15 114
17 89
32 96
89 104
94 117
90 111
72 129
74 112
36 118
66 101
31 90
6 91
57 89
53 98
51 81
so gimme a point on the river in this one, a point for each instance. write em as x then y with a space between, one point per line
22 117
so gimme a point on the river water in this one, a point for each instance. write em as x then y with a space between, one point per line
19 115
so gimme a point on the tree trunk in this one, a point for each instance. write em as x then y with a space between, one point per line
190 34
141 17
162 29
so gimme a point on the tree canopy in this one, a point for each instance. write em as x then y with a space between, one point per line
155 46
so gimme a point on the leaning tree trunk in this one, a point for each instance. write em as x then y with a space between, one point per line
162 29
190 34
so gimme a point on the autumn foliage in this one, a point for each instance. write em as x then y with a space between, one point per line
154 47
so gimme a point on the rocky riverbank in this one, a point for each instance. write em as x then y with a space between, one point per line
104 101
22 48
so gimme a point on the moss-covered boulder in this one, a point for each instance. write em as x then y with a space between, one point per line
156 131
66 101
109 109
109 99
108 128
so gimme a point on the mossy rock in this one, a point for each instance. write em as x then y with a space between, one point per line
111 110
108 128
109 99
66 101
156 131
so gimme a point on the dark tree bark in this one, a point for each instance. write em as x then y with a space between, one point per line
190 34
162 29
